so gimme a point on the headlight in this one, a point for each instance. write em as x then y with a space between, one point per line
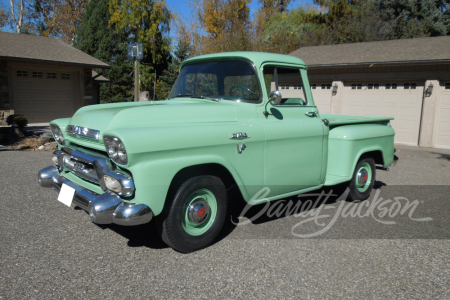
57 134
116 149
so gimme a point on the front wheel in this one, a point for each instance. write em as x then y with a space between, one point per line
197 214
363 179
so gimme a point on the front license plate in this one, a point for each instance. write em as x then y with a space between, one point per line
66 194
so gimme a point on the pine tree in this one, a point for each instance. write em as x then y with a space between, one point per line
96 37
168 77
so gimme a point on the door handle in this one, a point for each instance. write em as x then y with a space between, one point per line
311 113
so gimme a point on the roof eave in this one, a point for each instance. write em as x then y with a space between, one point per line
384 63
105 66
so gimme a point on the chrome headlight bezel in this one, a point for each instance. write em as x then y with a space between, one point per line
57 134
115 149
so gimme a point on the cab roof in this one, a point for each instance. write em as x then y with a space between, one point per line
258 58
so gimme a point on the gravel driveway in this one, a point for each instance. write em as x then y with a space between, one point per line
51 251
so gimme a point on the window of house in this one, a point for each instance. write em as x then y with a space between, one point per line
406 86
51 75
313 86
356 86
326 86
392 86
21 73
447 86
413 86
36 74
65 76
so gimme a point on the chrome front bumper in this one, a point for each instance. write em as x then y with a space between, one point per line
107 208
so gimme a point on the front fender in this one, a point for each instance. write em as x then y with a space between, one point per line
152 179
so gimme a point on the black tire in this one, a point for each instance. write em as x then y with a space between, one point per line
362 192
173 224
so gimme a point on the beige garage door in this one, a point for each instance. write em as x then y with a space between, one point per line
321 92
43 95
442 130
401 100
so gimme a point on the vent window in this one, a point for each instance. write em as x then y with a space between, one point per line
21 73
36 74
51 75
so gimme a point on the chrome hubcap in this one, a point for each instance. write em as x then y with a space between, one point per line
362 177
198 211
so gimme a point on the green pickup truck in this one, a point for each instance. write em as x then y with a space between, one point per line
242 118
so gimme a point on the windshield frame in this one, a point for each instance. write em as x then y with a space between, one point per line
213 60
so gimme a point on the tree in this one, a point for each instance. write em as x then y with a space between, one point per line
96 37
168 77
17 14
266 11
145 21
286 32
3 16
226 24
57 18
416 18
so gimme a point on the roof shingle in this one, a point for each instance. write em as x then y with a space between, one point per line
427 49
39 48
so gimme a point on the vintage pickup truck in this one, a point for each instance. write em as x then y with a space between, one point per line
242 118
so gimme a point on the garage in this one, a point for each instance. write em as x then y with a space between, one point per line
321 92
408 79
44 78
399 99
43 95
442 129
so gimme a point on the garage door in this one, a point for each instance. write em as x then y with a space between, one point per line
442 130
43 96
321 92
401 100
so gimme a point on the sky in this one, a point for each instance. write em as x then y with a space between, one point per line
181 7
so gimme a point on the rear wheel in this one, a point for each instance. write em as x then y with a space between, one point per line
363 179
196 215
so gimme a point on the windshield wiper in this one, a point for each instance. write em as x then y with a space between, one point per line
180 95
204 97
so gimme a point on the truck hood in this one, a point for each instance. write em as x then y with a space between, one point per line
105 117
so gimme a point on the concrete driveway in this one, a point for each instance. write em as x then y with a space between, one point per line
51 251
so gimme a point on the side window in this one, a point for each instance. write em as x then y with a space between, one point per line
284 78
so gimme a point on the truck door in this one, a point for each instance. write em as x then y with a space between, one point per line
293 153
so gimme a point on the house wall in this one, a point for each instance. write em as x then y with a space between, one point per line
4 93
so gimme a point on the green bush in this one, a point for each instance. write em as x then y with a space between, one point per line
20 120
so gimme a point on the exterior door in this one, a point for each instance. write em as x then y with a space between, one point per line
294 135
42 95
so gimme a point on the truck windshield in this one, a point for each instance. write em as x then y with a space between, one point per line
218 80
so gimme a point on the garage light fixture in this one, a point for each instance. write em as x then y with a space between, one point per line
429 90
334 90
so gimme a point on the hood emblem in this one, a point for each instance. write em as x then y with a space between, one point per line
83 132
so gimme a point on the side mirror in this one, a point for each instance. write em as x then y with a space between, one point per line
275 98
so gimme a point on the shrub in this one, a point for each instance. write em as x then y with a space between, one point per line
20 120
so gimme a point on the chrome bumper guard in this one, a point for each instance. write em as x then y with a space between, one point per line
107 208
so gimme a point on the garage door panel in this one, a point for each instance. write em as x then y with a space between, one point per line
402 104
43 100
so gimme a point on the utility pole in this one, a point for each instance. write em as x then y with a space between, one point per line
135 51
136 80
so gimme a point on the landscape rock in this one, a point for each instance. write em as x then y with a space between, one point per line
22 147
41 147
44 139
51 146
